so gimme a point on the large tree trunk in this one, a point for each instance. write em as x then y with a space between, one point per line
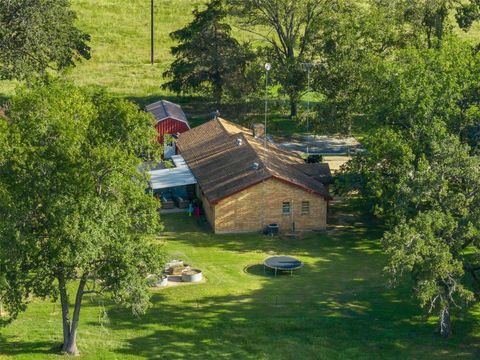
65 312
293 108
444 323
70 341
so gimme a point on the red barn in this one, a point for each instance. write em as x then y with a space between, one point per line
170 118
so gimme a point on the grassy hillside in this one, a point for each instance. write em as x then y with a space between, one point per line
120 31
120 44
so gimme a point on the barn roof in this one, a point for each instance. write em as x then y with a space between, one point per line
164 109
226 158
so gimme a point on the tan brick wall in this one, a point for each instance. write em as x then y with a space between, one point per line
252 209
207 207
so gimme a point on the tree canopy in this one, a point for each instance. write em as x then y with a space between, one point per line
73 202
420 172
39 35
208 58
290 28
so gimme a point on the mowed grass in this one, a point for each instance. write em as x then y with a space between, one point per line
120 31
120 42
337 307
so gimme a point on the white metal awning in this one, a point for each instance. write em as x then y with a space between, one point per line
180 175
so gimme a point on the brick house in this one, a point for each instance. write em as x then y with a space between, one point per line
245 186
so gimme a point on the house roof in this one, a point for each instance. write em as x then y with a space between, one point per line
319 171
164 109
226 158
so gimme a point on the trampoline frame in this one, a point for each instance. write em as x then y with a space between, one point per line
277 268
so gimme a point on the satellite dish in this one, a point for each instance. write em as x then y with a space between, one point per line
268 66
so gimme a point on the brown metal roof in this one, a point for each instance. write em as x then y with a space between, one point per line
319 171
164 109
222 156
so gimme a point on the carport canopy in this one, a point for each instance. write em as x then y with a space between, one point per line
181 175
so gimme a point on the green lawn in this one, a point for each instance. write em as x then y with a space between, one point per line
337 307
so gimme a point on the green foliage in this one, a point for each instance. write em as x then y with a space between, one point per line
208 58
73 204
421 85
39 35
425 23
418 174
348 38
291 28
437 237
380 173
425 247
369 53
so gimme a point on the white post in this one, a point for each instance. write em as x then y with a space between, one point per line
268 66
267 69
308 111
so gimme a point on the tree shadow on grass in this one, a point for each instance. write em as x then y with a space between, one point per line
181 229
3 99
11 347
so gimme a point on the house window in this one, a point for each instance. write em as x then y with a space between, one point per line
305 207
286 208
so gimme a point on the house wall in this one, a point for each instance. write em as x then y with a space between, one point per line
253 208
170 126
207 207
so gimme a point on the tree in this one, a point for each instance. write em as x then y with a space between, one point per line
349 38
429 194
38 35
73 205
436 239
380 172
418 86
208 58
290 30
426 22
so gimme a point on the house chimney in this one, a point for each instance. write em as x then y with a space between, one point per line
258 130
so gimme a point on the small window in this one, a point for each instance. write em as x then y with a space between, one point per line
305 207
286 207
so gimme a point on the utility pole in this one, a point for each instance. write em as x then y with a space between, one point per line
308 66
268 67
152 32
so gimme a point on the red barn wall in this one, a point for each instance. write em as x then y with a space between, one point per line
170 126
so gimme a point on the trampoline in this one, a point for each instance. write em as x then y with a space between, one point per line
282 263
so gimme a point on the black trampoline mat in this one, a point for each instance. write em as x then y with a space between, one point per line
283 263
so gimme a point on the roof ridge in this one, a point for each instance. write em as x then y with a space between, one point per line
261 163
165 108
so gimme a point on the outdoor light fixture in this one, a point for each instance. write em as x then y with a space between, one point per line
268 66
